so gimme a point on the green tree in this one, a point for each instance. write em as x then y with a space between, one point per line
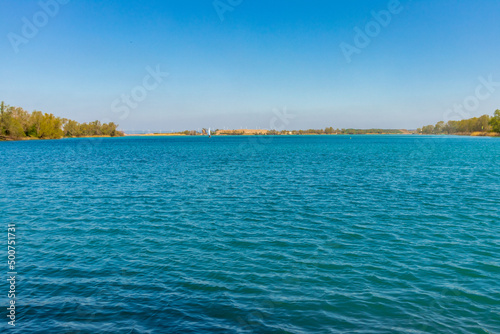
35 129
2 118
13 128
450 127
71 128
495 121
483 123
22 116
438 129
428 129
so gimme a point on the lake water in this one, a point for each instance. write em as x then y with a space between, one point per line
310 234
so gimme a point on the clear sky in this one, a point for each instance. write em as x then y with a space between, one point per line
231 64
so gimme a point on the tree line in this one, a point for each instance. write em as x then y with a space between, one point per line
17 123
484 123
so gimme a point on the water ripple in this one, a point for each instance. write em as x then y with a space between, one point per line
295 235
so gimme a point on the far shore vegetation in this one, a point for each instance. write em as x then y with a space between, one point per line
484 125
478 126
19 124
263 132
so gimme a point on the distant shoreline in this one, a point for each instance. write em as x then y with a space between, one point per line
249 134
253 135
475 134
17 124
157 135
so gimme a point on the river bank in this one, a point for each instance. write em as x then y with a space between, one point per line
249 133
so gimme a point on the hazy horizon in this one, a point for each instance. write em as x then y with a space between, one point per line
369 64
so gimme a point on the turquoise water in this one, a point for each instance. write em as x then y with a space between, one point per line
319 234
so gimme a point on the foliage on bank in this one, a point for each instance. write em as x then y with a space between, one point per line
17 123
484 123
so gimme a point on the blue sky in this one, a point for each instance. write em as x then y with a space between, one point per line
261 57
